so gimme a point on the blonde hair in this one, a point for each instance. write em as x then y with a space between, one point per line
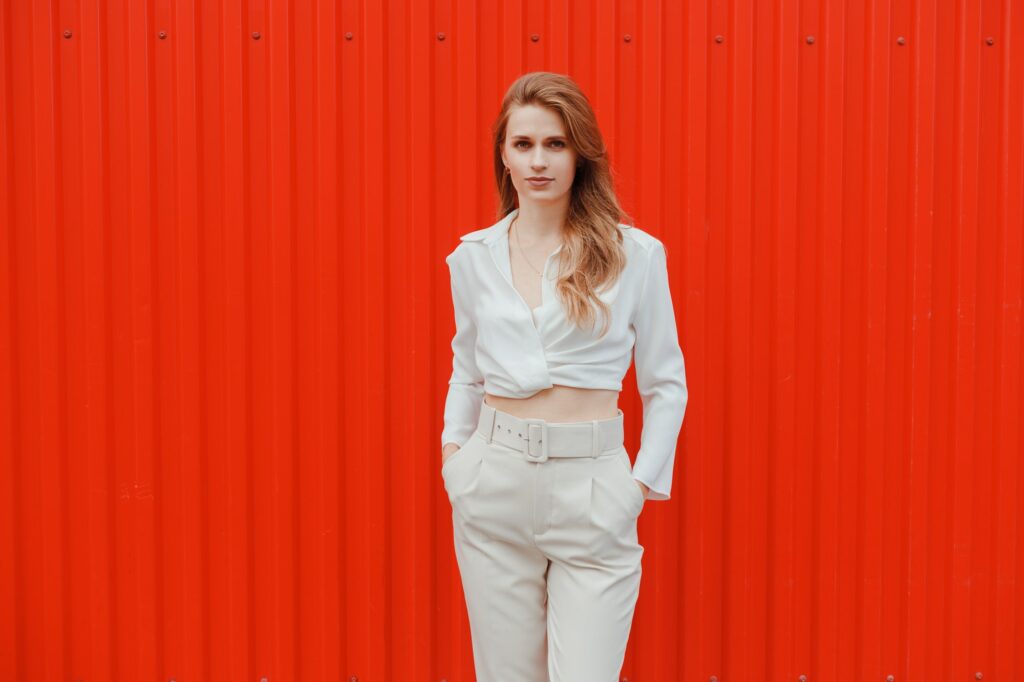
592 256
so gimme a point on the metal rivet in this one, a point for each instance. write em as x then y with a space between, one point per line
255 35
162 34
719 38
348 36
901 41
67 34
990 41
810 39
440 36
535 37
627 37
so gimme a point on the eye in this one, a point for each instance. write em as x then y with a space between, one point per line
560 143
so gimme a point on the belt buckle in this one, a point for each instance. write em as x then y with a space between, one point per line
536 449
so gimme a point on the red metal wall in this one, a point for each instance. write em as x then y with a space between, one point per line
225 325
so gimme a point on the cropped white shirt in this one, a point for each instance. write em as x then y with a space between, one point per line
503 347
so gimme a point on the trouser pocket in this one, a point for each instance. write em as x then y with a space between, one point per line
629 481
460 470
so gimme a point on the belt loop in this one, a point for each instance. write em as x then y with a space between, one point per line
595 438
488 422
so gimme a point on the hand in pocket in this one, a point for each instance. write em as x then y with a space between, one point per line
448 451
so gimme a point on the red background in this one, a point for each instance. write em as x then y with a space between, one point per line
225 324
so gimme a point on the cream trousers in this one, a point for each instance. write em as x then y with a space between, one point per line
549 559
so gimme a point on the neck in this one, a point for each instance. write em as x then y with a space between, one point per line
541 223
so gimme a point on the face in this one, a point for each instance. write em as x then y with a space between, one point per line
536 146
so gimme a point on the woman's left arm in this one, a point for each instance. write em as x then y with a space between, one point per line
660 377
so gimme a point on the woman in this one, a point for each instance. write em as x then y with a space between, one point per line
544 498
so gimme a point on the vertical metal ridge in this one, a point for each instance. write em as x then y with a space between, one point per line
11 633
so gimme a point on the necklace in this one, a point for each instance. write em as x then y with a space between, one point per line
520 245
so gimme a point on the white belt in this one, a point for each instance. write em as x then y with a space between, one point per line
538 439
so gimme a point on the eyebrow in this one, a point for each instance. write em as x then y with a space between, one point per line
527 137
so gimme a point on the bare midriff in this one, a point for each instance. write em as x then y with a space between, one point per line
560 404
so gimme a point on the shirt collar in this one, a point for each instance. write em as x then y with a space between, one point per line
496 239
489 235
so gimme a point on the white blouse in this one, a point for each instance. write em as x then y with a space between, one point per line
503 347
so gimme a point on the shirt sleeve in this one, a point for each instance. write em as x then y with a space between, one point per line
466 384
660 377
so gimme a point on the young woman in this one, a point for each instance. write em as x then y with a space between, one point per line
551 304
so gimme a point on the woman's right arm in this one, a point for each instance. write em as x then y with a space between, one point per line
466 384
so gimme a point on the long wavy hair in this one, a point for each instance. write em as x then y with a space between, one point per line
592 255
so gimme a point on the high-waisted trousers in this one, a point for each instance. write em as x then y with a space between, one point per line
546 545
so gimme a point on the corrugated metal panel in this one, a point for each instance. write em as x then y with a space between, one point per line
226 319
